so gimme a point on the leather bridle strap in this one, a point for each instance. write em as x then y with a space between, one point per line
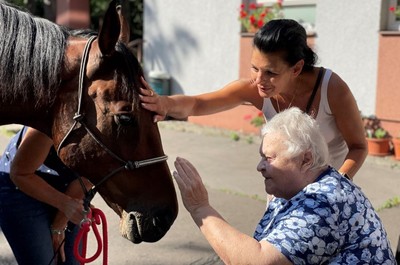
79 118
82 71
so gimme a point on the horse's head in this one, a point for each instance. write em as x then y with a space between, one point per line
112 141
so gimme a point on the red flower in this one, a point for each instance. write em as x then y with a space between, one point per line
252 19
254 15
392 8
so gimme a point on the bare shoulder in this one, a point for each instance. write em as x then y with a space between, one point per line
247 91
37 135
338 91
337 83
31 153
36 140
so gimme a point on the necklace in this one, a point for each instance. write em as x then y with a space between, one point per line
290 103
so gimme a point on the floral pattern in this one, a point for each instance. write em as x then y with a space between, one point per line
330 221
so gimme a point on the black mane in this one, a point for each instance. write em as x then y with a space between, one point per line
31 56
32 53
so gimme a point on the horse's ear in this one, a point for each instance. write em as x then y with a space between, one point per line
110 30
125 33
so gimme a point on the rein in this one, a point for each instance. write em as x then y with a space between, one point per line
95 216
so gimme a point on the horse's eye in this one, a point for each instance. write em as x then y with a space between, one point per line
124 119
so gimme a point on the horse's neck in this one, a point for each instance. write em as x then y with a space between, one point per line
26 113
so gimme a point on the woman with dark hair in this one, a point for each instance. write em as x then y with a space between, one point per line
283 75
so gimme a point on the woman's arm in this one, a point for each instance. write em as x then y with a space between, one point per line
60 221
31 153
182 106
74 190
349 122
233 246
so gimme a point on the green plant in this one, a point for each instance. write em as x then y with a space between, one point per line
254 16
133 11
235 136
380 133
373 128
256 121
390 203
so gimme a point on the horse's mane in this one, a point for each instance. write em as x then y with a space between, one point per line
31 56
32 53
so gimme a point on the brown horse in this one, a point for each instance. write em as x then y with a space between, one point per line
82 91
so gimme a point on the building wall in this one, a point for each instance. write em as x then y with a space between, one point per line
348 43
195 42
388 88
198 44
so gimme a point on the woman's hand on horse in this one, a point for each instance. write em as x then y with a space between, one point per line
152 102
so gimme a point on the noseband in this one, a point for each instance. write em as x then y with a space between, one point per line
79 118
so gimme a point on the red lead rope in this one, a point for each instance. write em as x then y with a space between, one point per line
94 217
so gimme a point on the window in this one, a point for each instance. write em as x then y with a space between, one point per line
393 20
302 11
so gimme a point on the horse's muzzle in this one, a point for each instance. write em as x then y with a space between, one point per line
138 227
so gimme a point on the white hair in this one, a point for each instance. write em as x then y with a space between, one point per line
302 134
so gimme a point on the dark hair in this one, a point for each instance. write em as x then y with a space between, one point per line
286 36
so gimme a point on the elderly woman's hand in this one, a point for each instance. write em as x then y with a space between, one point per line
194 194
152 102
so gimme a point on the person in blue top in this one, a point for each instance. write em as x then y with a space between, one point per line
38 196
316 215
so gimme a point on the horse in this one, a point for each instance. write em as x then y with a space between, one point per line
82 90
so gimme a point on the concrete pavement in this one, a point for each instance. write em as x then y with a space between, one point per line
236 190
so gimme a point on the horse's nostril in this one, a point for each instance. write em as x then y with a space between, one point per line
156 221
147 227
163 220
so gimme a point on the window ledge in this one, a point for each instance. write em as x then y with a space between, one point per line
390 33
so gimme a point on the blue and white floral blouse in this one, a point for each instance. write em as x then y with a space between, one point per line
329 222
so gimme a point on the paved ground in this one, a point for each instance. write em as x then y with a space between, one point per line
236 189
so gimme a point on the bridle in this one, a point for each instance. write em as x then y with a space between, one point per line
79 118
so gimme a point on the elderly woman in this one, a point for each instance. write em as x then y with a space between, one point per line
316 215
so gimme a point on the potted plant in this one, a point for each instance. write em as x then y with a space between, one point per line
378 138
396 147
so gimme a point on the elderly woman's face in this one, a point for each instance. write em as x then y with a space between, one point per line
282 175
